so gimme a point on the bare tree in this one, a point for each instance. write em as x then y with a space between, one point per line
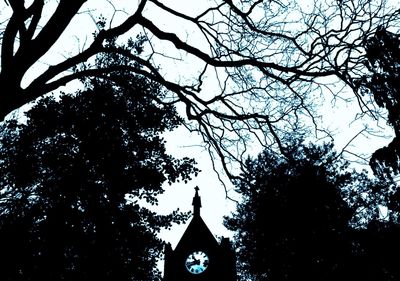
268 61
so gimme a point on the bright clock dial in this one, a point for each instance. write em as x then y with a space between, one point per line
197 262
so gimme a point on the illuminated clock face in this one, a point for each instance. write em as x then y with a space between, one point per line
197 262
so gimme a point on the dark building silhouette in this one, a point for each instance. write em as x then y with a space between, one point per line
198 255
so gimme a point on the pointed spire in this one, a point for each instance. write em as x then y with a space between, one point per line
196 203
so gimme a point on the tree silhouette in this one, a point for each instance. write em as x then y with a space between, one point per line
383 83
267 58
380 239
76 179
294 222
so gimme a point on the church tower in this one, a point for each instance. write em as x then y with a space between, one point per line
198 256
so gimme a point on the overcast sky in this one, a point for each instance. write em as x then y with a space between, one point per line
180 143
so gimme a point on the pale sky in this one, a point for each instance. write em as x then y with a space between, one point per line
180 144
213 197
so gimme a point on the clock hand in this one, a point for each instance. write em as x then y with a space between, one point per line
196 261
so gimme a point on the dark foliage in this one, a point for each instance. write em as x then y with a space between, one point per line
68 174
376 252
298 219
383 82
381 246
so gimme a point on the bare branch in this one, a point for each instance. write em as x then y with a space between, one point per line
259 70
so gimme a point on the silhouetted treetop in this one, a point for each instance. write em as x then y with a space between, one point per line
76 178
383 83
298 215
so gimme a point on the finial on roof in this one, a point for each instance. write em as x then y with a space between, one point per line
196 202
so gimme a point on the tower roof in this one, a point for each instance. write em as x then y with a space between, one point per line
197 231
218 259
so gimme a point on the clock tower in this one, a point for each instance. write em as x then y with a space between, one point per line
198 256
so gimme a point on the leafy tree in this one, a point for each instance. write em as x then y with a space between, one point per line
383 83
267 58
298 216
76 178
382 57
